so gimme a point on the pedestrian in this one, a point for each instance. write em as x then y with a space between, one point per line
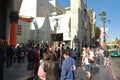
88 60
37 57
68 70
14 53
101 55
30 65
88 66
41 69
106 57
52 68
22 53
19 51
9 56
97 56
83 54
73 54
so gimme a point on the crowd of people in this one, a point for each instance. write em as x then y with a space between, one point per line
94 56
46 63
48 66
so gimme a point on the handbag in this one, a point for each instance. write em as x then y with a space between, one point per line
90 61
41 73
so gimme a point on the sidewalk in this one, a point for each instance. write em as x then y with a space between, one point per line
16 72
100 72
19 72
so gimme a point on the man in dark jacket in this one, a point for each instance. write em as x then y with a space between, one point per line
9 56
30 65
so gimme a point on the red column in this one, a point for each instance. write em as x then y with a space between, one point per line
13 33
13 30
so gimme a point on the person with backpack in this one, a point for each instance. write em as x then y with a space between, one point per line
106 57
68 70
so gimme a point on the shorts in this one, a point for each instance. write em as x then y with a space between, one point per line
30 66
106 58
88 68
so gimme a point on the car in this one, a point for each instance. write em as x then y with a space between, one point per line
114 53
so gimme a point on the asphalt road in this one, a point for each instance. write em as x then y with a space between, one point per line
115 66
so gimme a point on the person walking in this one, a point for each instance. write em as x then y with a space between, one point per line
68 70
88 60
36 62
87 63
41 69
30 65
9 56
52 68
106 57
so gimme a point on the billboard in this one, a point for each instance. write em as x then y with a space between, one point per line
57 37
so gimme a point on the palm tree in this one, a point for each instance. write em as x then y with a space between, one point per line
103 18
103 15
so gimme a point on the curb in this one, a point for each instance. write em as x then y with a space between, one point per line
111 73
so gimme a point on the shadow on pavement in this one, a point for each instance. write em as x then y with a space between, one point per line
96 70
118 78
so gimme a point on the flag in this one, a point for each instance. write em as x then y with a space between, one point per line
106 34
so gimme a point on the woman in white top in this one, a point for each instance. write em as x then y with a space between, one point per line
88 56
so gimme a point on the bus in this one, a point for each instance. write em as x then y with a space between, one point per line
112 48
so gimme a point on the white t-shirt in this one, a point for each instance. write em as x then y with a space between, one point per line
101 52
86 59
92 54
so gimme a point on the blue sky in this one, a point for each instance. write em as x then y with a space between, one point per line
113 14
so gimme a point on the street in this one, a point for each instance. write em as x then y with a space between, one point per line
115 66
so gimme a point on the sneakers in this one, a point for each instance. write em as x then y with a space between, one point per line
97 65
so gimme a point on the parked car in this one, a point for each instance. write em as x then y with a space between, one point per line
114 53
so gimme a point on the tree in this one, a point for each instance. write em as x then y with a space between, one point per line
103 15
103 18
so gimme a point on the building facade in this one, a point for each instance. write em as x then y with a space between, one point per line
92 16
73 22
